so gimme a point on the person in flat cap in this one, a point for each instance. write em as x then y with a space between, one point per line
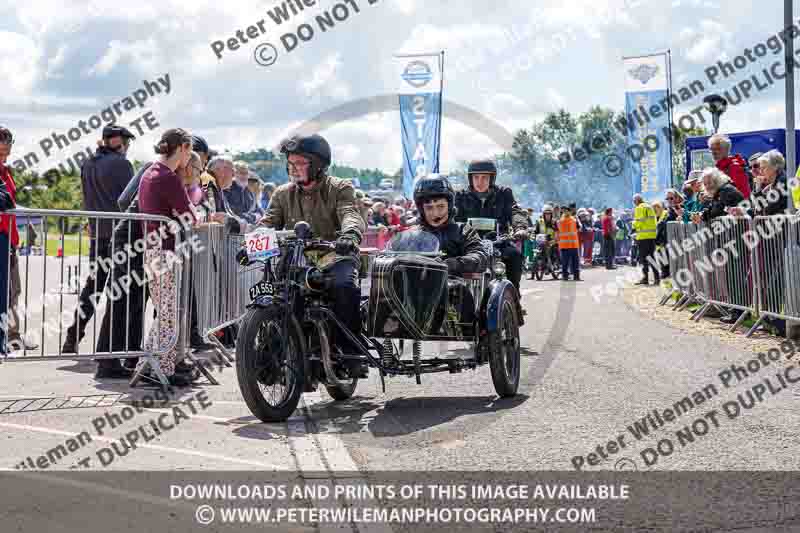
103 179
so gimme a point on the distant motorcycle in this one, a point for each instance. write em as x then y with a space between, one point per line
546 261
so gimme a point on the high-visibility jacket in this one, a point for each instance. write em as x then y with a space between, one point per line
567 233
545 228
644 222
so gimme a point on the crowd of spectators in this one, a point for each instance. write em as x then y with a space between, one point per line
733 187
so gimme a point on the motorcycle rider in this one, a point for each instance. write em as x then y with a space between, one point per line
485 199
435 199
546 225
461 244
328 205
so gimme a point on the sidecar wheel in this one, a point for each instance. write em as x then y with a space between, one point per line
270 391
504 357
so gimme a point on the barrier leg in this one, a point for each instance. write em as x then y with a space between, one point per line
739 320
202 368
700 312
667 297
150 362
681 301
689 301
755 326
219 349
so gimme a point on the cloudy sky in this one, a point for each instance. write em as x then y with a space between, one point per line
511 61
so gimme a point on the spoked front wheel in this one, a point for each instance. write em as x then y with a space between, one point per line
504 357
269 364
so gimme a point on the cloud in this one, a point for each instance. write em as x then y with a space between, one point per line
324 81
144 56
555 99
19 63
703 45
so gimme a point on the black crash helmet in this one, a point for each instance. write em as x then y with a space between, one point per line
434 186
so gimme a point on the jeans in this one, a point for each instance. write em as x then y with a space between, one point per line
570 260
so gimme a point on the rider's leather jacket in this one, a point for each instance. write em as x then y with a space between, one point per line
461 243
499 204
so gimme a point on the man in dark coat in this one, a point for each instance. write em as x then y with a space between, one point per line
103 179
485 199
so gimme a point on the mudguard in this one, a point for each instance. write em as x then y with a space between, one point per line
494 309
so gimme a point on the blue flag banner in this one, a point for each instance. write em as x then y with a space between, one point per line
420 91
649 153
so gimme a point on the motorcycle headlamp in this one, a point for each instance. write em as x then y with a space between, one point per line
499 268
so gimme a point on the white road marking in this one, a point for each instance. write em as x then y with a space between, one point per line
158 447
320 452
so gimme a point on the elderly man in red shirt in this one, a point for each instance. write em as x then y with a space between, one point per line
732 166
9 238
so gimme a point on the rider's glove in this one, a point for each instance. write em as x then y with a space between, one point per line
347 244
453 265
241 257
521 234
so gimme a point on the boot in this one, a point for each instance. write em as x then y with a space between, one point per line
644 281
111 369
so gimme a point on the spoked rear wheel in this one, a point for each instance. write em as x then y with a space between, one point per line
270 368
504 357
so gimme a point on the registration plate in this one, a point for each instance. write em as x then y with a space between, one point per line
262 288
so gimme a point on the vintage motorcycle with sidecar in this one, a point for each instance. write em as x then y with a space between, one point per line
288 340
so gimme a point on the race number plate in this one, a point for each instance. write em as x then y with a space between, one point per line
262 288
262 244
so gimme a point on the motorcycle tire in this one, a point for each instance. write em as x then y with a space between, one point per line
504 349
554 273
250 359
539 274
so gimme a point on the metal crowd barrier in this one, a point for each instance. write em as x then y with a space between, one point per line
726 269
682 286
111 308
776 263
750 265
